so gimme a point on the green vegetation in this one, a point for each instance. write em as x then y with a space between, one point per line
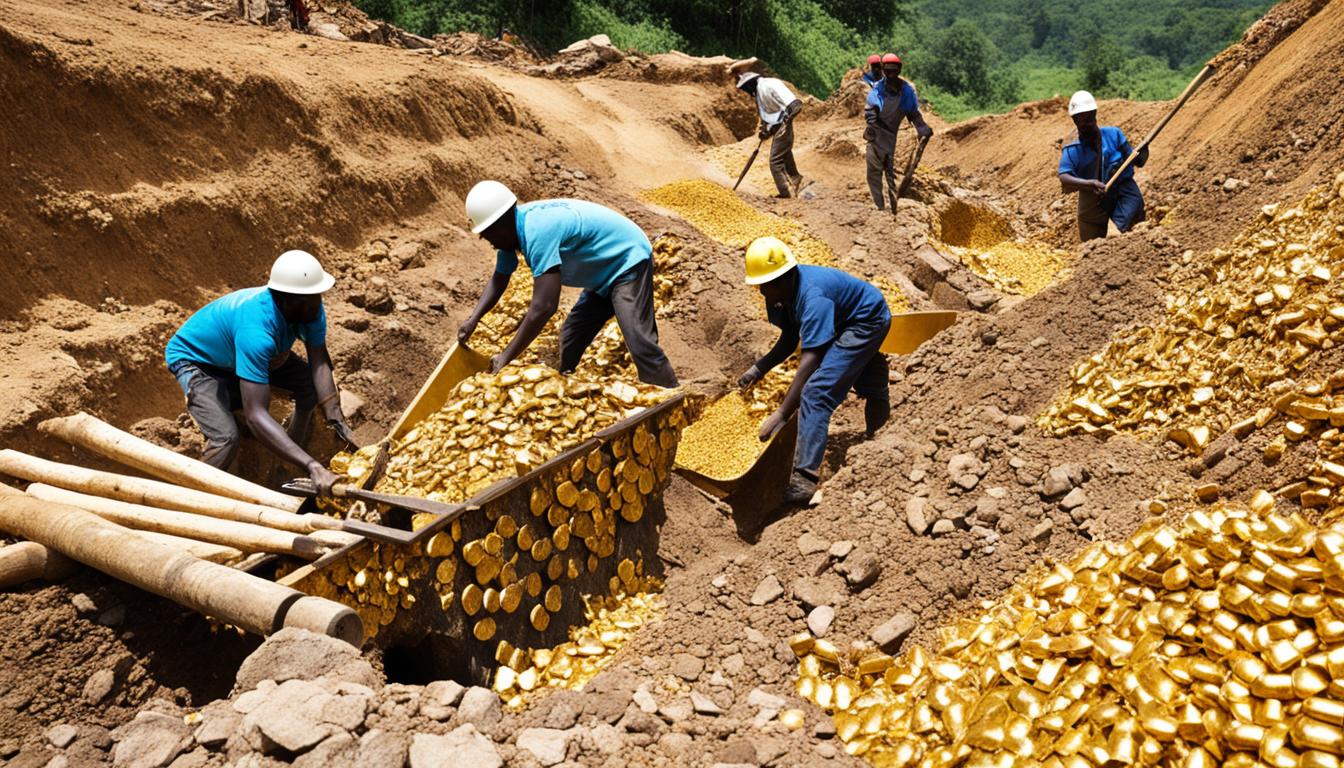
967 56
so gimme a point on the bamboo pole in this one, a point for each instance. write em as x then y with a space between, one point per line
232 596
244 536
156 493
96 435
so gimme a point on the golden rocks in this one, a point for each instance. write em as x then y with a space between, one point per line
484 629
540 618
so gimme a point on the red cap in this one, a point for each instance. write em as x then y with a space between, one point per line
874 59
890 58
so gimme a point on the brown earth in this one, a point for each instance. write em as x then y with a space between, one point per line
153 161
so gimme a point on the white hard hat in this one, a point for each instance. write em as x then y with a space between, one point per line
1082 101
299 272
746 77
486 202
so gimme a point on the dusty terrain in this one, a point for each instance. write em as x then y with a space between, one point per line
154 159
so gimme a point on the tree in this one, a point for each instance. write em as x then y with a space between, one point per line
960 59
1099 60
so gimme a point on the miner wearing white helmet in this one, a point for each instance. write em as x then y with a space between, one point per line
777 106
1086 163
231 352
571 243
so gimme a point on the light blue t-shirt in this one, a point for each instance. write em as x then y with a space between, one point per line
829 302
593 245
1078 159
242 332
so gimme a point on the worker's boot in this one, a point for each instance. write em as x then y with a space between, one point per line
876 412
801 488
797 184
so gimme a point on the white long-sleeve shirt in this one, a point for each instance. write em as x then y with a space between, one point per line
772 96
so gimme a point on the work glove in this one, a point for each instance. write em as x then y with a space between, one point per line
751 376
1142 159
763 133
870 133
465 331
923 131
343 431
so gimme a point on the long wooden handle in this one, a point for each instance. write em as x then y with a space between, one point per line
28 560
100 437
747 167
229 595
1180 102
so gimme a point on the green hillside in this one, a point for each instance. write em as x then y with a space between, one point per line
967 56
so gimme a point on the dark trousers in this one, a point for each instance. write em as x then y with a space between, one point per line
853 361
880 167
782 166
1122 205
213 394
631 302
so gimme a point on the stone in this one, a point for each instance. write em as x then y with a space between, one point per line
812 592
480 707
218 723
98 686
889 635
861 571
810 544
1016 424
113 617
1042 530
840 549
737 752
61 761
768 591
674 711
687 667
824 729
382 749
987 510
916 515
346 712
643 699
548 745
254 698
338 749
62 735
819 620
564 712
1073 499
943 527
151 740
286 732
462 747
439 699
606 738
675 744
297 654
982 301
704 705
83 603
1056 482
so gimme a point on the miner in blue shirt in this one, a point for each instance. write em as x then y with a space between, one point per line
889 103
1088 161
231 352
569 243
873 74
840 322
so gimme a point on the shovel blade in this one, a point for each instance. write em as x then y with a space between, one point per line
911 329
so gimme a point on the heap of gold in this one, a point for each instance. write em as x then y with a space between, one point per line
1023 267
611 621
1240 323
1218 643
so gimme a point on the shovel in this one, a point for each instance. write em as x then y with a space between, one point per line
910 329
747 167
1180 102
909 173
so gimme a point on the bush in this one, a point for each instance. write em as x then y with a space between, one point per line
1100 59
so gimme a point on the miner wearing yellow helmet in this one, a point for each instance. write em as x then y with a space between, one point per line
840 322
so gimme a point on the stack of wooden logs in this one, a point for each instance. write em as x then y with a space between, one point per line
187 535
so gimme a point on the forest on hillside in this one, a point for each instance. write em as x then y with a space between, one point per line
967 56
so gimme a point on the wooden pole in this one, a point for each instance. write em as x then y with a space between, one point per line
29 560
95 435
215 553
1180 102
232 596
156 493
243 536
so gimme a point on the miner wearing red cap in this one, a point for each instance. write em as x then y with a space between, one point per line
889 102
873 75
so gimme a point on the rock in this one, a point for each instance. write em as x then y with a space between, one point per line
439 699
1042 530
761 699
8 749
379 748
1232 184
566 707
819 620
61 761
674 711
768 591
378 297
888 636
289 719
861 571
351 404
737 752
841 549
458 749
720 581
810 544
915 514
83 603
688 667
113 617
981 301
297 654
151 740
812 592
987 511
346 712
480 707
704 705
548 745
407 255
824 729
62 735
338 749
1075 498
943 527
1056 482
606 738
644 700
218 723
1016 424
98 686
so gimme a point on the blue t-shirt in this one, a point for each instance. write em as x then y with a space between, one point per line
870 80
893 105
1078 159
828 302
592 245
242 332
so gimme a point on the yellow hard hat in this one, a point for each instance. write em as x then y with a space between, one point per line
767 259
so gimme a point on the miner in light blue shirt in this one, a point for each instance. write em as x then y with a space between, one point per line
571 243
1088 161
